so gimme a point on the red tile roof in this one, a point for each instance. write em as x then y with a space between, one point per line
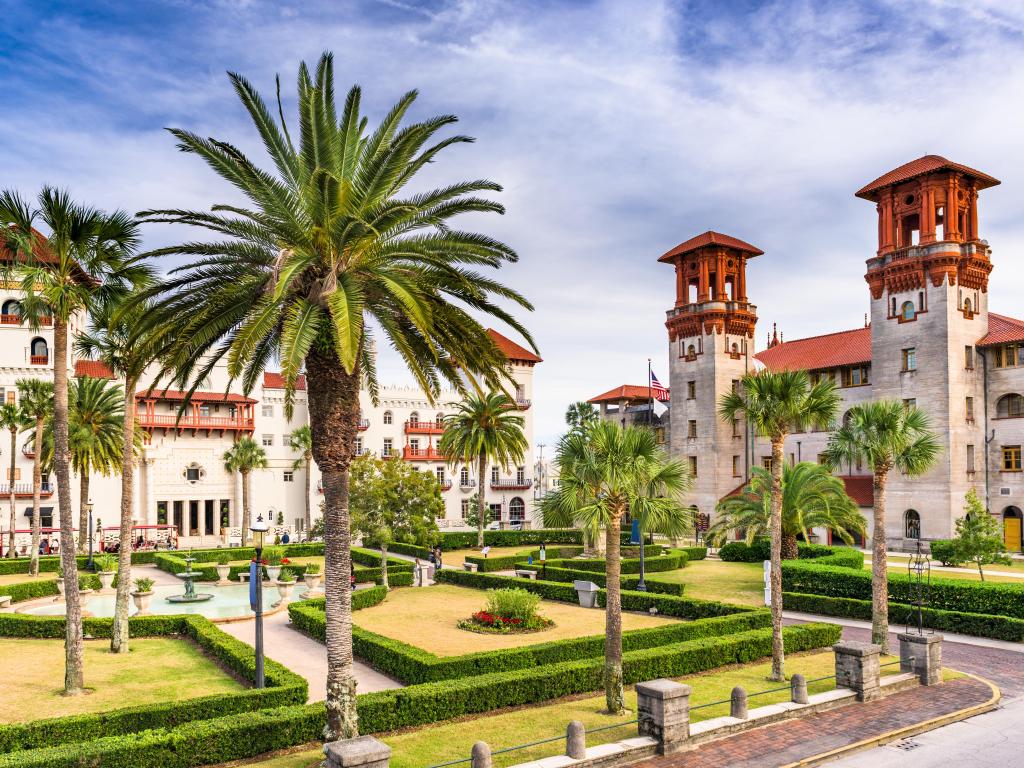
818 352
272 380
860 488
1002 330
919 167
197 397
710 238
512 350
625 392
94 368
42 255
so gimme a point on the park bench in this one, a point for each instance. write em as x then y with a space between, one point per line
5 601
469 567
525 574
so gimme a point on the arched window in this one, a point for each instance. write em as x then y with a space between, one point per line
691 351
911 525
39 352
893 312
464 477
516 510
388 418
414 417
735 348
846 418
11 311
907 311
440 418
967 306
1010 406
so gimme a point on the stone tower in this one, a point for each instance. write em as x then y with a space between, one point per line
929 306
711 334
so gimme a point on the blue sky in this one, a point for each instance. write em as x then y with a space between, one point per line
618 129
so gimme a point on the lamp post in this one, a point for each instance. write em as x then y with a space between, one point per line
88 508
259 530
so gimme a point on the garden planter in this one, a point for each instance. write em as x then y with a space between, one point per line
106 578
223 571
273 571
312 582
284 589
142 600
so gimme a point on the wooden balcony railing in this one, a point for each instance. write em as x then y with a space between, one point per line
424 427
421 454
363 425
192 421
39 359
10 319
446 485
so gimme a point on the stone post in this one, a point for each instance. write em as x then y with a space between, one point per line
481 755
576 740
738 705
663 712
857 667
922 655
798 689
361 752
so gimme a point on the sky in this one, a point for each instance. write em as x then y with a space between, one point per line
617 129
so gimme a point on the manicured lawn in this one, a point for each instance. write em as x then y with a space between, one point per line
457 557
741 583
441 743
20 578
428 618
156 669
899 568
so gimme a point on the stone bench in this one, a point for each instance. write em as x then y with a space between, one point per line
243 576
5 601
469 567
525 574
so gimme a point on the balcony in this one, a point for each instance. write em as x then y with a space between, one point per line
523 404
195 421
446 485
24 490
467 485
421 454
363 425
39 359
512 484
29 451
424 427
389 453
10 319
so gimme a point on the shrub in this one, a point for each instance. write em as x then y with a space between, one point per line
626 582
512 603
313 569
944 550
105 563
670 562
223 559
273 555
286 575
143 584
30 590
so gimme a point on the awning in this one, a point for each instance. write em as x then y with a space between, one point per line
42 511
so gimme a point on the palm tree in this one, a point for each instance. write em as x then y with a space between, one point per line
484 430
243 457
887 435
302 441
35 401
11 420
581 416
84 260
603 474
775 403
811 498
115 339
326 242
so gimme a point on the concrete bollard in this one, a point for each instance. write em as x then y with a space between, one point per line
798 689
576 740
738 705
481 755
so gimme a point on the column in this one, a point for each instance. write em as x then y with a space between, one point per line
927 215
922 655
663 713
972 214
741 278
702 287
858 668
952 211
680 287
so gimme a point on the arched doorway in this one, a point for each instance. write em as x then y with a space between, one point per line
1012 521
911 524
516 510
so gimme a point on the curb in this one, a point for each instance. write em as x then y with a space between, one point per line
908 730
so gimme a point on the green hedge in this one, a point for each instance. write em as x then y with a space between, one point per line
978 624
283 686
944 550
29 590
410 550
673 561
760 550
450 540
694 553
550 573
508 562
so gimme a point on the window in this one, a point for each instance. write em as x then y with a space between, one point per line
969 358
735 385
910 402
969 409
440 474
414 443
736 466
967 307
268 440
691 390
359 446
1009 355
821 459
855 376
907 311
17 473
691 428
414 417
691 351
10 397
911 525
1010 406
464 477
970 458
388 418
792 459
909 359
11 311
516 510
736 428
464 508
494 474
692 460
386 450
521 475
204 410
39 352
766 462
1011 458
288 476
192 474
268 411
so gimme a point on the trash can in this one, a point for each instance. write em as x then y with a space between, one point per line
587 593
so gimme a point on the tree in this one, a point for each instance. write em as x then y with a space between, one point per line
472 519
302 441
35 401
581 416
117 338
979 539
603 474
84 260
484 430
811 498
244 457
326 243
775 403
11 419
886 435
393 501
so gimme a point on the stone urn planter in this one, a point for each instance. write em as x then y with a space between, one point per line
60 591
106 578
273 571
312 582
284 589
142 600
222 575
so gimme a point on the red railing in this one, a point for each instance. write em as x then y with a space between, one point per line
191 421
446 485
39 359
363 425
10 319
421 454
424 427
29 451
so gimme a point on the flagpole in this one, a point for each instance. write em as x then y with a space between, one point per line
650 396
641 586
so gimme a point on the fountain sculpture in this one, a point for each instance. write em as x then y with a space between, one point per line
190 596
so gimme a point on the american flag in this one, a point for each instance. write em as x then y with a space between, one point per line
657 390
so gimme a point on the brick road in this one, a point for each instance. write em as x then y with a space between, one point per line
791 740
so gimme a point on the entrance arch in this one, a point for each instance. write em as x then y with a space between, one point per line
516 510
1012 521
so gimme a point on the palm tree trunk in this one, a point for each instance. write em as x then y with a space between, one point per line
333 420
37 487
481 478
790 547
778 652
309 486
879 565
613 695
74 644
10 490
119 636
245 508
384 565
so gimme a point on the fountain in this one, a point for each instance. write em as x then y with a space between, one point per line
190 596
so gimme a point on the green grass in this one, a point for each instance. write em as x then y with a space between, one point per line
740 583
155 670
21 578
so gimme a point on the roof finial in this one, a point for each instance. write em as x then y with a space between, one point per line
774 340
866 323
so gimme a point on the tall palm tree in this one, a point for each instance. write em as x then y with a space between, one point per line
812 498
326 241
35 401
11 420
484 430
581 416
774 403
604 473
116 339
302 441
82 261
244 457
887 435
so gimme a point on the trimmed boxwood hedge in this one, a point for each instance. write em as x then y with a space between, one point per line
760 550
283 686
29 590
550 573
508 562
670 562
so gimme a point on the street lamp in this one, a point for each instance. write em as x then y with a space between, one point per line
259 529
88 508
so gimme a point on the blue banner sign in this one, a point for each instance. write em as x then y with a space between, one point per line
254 583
